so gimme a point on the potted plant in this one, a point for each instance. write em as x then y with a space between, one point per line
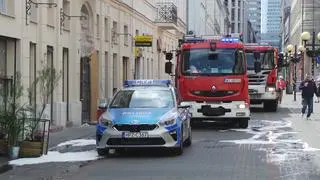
3 136
34 144
12 114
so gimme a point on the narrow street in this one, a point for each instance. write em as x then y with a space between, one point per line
268 149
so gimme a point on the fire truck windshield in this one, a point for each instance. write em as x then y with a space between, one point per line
206 62
266 59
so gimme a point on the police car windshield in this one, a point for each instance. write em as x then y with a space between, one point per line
143 98
266 59
218 62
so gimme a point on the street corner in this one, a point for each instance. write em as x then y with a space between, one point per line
78 150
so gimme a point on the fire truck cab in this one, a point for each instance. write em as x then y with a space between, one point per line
262 80
211 77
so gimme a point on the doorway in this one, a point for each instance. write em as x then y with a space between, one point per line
85 90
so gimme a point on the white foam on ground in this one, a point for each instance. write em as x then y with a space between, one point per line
54 156
79 142
265 132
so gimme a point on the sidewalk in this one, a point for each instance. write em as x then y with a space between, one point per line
3 164
56 138
308 130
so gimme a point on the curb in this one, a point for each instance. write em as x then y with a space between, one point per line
5 168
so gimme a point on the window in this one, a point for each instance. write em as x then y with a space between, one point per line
114 32
137 66
7 6
115 76
126 35
66 10
106 70
154 98
151 74
3 56
204 62
232 28
34 12
2 5
232 14
50 65
98 26
51 16
148 68
125 61
65 74
32 74
266 59
106 29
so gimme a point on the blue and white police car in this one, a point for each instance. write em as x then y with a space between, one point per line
145 113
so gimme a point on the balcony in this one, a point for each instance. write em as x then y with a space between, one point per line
167 16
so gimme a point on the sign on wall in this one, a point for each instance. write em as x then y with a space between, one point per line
143 41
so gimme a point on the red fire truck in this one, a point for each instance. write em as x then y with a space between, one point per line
262 80
211 76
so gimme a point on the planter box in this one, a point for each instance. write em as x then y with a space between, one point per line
3 147
32 149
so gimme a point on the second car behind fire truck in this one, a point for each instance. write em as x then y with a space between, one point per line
211 76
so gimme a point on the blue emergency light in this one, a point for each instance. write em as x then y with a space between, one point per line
230 39
146 82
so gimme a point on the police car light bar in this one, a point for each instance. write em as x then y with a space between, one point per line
146 82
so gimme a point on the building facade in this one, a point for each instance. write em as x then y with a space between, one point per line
271 34
207 17
254 15
238 15
91 42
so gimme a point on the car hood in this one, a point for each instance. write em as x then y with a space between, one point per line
135 115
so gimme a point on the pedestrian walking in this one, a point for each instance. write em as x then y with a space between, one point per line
280 86
308 88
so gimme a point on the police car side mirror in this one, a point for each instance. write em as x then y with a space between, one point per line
168 67
184 107
257 66
169 56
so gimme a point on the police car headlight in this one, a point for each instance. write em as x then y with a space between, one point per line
106 122
271 89
168 122
241 106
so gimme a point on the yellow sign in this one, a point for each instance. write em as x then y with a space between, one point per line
143 41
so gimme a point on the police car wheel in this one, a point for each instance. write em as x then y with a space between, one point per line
179 150
188 141
103 151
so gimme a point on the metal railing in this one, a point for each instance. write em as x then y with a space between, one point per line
167 13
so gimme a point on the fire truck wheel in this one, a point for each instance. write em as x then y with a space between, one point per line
243 123
271 106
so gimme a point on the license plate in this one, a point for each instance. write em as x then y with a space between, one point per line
135 134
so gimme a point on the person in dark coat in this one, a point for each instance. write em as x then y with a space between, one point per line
308 88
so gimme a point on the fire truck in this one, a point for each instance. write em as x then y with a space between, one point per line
262 61
211 76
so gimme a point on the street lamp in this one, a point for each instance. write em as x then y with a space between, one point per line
295 59
306 36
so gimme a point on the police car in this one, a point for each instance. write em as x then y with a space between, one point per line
145 113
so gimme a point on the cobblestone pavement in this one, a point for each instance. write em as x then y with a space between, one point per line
269 149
